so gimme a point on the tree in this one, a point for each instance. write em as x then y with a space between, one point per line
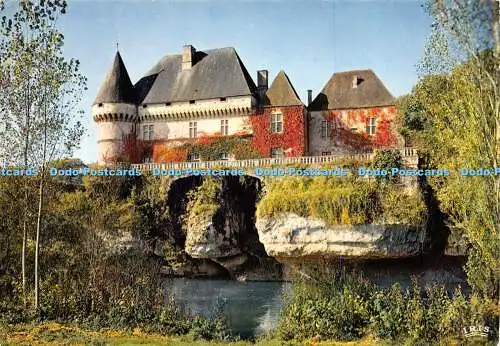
459 93
50 88
17 66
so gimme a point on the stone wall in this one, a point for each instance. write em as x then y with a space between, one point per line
292 140
347 126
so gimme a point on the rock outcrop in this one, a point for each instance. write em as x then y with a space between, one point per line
293 236
203 240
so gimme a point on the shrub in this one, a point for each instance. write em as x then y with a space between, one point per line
331 306
342 305
389 312
401 207
387 159
341 201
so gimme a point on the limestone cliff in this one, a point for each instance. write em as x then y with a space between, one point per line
293 236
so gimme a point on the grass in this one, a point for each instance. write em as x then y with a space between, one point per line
59 334
341 201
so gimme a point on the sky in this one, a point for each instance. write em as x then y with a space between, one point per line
308 39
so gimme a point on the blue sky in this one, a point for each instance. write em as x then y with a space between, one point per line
308 39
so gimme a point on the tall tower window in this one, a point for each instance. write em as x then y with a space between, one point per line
224 127
147 132
193 129
371 127
277 122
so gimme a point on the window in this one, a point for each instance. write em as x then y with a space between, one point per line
326 129
326 153
354 129
100 105
148 159
193 129
193 157
223 99
224 156
192 102
371 127
276 152
147 132
276 122
168 104
224 127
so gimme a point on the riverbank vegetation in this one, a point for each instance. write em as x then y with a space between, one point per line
100 272
81 261
331 303
342 201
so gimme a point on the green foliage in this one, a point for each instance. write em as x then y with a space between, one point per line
388 320
203 201
211 148
243 150
209 329
342 305
401 207
387 159
459 98
341 201
331 305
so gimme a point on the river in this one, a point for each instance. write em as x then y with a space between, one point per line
252 308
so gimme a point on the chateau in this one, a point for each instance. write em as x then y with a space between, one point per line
204 105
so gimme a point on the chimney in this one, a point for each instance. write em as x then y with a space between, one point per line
309 96
188 57
355 81
262 79
262 84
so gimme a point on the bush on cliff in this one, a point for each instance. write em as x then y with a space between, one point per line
341 201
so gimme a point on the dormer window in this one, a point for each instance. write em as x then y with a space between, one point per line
222 99
99 105
144 106
355 81
168 104
192 102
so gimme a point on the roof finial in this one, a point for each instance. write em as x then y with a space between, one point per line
117 46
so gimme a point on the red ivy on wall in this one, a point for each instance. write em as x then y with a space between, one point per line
162 153
291 140
385 133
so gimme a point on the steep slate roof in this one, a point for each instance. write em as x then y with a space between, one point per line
282 92
215 73
338 93
117 87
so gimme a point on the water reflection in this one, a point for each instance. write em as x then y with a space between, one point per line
251 307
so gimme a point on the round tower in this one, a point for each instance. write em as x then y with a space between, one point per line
115 112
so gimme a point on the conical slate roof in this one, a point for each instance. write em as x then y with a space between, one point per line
282 93
338 93
117 87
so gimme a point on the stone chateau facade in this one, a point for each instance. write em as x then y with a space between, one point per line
207 97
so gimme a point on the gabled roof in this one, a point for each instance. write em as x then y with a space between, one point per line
282 92
117 87
339 93
215 73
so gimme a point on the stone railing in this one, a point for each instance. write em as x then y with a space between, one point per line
409 156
